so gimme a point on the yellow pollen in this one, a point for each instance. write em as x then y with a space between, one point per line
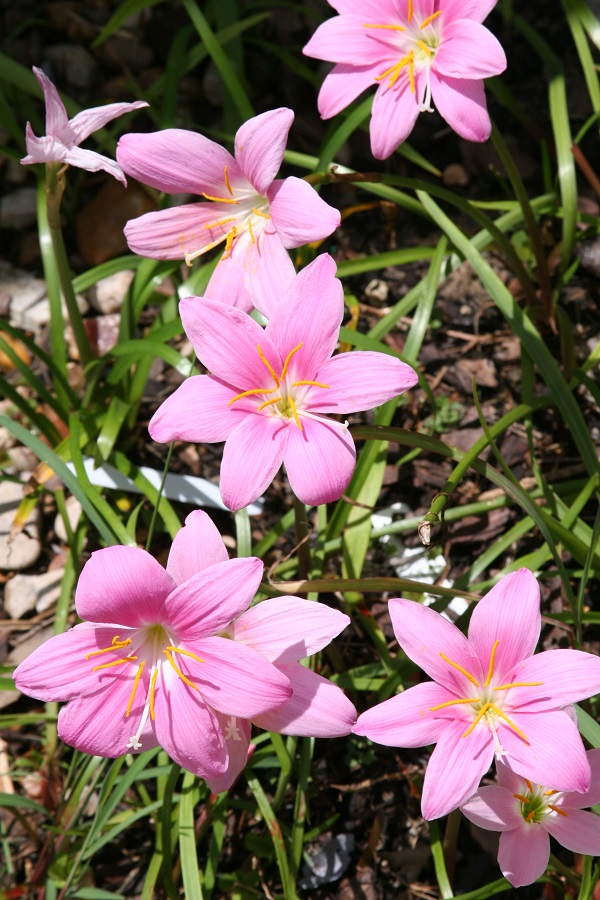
288 359
508 722
505 687
521 798
491 666
394 72
229 241
269 402
185 653
115 645
257 212
453 703
391 27
152 685
411 71
227 182
429 19
220 199
178 670
136 681
250 231
410 10
423 46
556 809
549 793
116 662
220 222
252 393
529 784
269 366
314 383
530 816
295 412
460 669
478 718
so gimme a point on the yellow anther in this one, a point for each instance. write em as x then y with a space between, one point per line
227 182
478 718
460 669
521 798
115 645
231 236
295 412
557 809
115 662
508 722
410 10
429 19
136 681
288 359
529 785
505 687
152 686
395 71
530 816
178 670
269 367
251 393
220 222
257 212
314 384
220 199
490 672
549 793
452 703
391 27
269 402
251 233
185 653
425 48
411 71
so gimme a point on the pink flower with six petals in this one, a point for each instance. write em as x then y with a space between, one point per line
270 390
257 217
489 695
413 51
63 135
527 814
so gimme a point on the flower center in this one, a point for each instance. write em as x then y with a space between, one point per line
488 705
246 212
149 649
416 43
535 805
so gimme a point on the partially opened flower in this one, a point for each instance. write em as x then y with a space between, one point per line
414 52
528 813
489 696
63 135
152 664
256 217
270 390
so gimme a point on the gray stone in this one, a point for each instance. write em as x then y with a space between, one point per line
24 593
21 550
36 317
74 511
18 209
107 295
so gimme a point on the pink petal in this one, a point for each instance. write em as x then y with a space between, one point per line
56 114
90 120
361 380
514 784
317 707
319 460
478 10
260 144
523 854
195 547
177 161
176 232
234 679
197 411
579 831
469 50
93 162
426 638
311 315
394 114
461 102
567 676
344 39
592 796
493 808
377 10
227 284
226 340
510 614
343 85
554 755
209 600
253 453
271 628
455 768
124 585
237 736
421 9
406 720
42 150
299 214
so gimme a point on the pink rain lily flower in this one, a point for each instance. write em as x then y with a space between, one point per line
270 390
153 664
489 696
527 813
64 135
414 52
256 216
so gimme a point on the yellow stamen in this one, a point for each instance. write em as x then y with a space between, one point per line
152 685
556 809
452 703
231 236
491 665
257 212
425 48
116 662
252 393
178 670
185 653
269 366
136 681
429 19
392 27
460 669
530 816
220 199
288 359
116 645
521 798
529 784
220 222
505 687
251 233
314 383
549 793
395 71
269 402
227 182
411 71
295 412
410 10
508 722
478 718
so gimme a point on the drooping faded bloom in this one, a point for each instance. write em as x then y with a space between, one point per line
153 665
489 696
528 813
414 52
270 390
63 135
256 216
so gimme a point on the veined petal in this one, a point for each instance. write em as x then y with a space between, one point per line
177 161
93 162
317 707
268 271
567 676
377 10
260 144
271 628
122 584
469 50
209 600
523 854
197 411
461 102
253 453
592 796
394 114
478 10
89 120
436 646
510 614
195 547
361 380
343 85
319 460
179 231
56 114
344 39
493 808
42 150
298 212
407 720
234 679
236 732
579 831
455 768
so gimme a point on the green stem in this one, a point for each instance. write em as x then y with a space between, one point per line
160 493
439 862
566 871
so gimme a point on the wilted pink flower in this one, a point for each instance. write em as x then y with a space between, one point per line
527 813
257 217
413 51
270 389
489 695
63 135
153 663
